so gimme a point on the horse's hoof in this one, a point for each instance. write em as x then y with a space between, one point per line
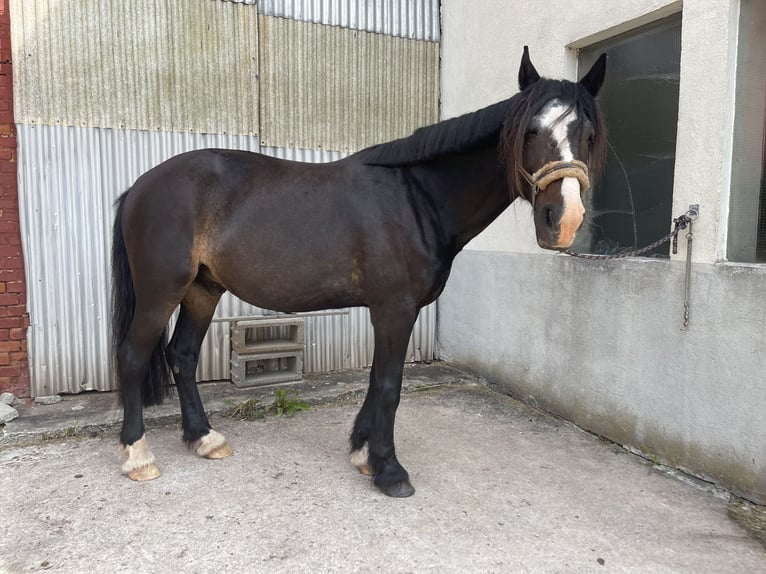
220 452
149 472
212 445
139 461
364 469
401 489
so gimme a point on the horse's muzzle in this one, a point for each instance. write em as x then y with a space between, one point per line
558 216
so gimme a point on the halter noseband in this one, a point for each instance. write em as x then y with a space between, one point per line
554 170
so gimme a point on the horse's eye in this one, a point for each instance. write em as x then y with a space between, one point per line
530 134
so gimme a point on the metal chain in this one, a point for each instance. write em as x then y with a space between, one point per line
680 223
688 277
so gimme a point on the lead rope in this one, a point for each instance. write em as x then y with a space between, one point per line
688 278
679 223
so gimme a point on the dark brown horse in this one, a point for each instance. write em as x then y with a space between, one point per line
379 229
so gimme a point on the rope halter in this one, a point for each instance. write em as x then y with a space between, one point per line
554 170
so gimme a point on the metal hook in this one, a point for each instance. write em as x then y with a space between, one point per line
694 211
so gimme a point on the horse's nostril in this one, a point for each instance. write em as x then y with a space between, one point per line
549 217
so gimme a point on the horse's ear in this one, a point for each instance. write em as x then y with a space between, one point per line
595 76
527 73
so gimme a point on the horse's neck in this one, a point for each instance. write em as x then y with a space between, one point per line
470 191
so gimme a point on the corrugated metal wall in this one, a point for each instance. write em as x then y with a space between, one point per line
171 65
324 87
418 20
103 92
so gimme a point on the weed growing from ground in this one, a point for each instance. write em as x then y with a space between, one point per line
287 402
73 429
249 410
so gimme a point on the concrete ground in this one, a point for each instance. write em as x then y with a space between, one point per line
500 487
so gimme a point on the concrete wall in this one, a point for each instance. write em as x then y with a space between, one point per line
600 343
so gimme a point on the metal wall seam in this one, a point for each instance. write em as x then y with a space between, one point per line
336 89
413 19
171 66
69 178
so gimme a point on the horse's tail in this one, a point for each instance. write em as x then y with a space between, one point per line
156 385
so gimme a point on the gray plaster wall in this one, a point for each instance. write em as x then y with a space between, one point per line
601 344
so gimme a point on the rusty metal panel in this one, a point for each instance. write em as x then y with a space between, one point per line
175 65
414 19
330 88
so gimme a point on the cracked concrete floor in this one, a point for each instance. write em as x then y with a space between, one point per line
500 487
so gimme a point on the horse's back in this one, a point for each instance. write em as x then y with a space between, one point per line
214 190
281 234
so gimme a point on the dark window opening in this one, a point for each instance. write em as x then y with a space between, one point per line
630 205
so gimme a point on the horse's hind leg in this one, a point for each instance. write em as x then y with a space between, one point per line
135 357
197 310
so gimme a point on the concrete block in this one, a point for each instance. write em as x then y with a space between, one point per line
256 369
285 334
7 413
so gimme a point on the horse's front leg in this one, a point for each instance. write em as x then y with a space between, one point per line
392 333
360 453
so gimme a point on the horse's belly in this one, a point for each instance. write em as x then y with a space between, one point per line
293 290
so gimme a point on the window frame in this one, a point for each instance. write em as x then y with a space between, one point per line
740 177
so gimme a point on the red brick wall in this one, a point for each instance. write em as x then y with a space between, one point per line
14 367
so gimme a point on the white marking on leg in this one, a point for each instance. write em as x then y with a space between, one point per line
138 455
360 459
208 443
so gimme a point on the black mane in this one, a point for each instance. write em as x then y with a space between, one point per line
506 122
447 137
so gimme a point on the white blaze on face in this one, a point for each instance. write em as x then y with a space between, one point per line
553 120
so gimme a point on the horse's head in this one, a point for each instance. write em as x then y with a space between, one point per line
553 138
